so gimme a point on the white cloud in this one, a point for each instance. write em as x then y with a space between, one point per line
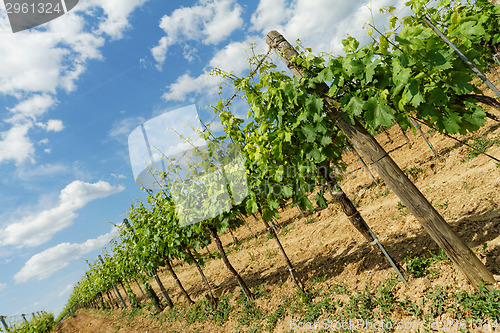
66 290
209 22
270 14
15 145
186 84
320 25
31 108
117 13
3 286
54 125
38 228
46 263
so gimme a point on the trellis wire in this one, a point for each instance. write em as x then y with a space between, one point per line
462 142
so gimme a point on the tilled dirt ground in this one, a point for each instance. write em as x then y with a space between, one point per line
324 243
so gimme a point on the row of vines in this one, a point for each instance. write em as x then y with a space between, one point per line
293 150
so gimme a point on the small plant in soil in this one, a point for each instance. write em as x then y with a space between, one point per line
250 313
480 304
438 297
444 204
276 316
417 266
480 143
414 172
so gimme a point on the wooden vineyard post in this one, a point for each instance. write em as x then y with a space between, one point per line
176 278
162 289
2 319
291 269
433 223
244 288
210 295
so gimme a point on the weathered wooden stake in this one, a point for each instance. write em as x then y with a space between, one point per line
459 253
220 247
162 289
211 297
2 319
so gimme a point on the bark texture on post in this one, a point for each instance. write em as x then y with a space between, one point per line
162 289
210 295
176 278
153 297
291 269
246 290
433 223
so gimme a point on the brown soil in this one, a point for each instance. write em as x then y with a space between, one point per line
324 243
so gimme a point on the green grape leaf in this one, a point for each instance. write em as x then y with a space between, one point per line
370 69
309 131
451 122
326 140
315 154
355 106
439 59
378 112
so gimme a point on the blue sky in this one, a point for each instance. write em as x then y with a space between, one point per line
73 89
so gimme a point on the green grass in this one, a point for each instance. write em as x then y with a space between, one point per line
337 302
419 266
413 172
480 143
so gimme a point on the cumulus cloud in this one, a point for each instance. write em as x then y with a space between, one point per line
270 14
46 263
31 108
15 144
209 22
54 125
187 84
321 24
38 228
117 14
